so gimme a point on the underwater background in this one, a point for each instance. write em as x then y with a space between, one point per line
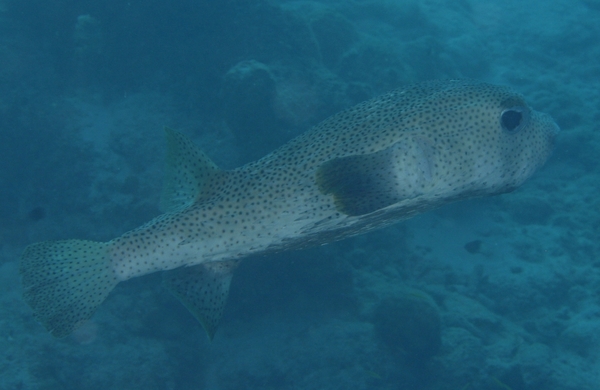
492 293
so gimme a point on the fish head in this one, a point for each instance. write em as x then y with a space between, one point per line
486 139
435 143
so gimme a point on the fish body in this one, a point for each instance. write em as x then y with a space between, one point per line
379 162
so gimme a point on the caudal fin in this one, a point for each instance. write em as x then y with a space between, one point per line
65 281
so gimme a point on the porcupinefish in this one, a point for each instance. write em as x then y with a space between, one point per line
379 162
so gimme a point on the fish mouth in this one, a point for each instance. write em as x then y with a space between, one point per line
551 126
549 130
552 131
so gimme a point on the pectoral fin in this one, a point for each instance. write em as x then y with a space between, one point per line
359 184
203 290
362 184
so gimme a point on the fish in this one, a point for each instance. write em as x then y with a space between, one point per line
384 160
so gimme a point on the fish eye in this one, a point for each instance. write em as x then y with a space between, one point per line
514 119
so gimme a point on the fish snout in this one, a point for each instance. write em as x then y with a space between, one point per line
549 130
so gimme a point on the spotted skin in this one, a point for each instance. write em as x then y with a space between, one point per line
381 161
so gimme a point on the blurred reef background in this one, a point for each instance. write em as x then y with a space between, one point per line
496 293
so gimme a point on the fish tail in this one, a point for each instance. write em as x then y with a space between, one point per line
65 281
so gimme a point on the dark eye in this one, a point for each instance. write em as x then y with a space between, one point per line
513 119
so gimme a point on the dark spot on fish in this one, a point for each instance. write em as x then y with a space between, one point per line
36 214
473 247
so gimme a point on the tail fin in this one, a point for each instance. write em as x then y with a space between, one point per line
65 281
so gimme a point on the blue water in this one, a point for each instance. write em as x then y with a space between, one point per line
495 293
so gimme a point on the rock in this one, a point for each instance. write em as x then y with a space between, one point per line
409 325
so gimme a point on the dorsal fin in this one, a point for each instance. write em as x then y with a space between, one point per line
189 172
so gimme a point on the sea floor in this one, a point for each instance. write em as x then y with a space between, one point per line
512 282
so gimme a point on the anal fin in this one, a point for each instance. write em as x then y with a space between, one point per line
203 290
